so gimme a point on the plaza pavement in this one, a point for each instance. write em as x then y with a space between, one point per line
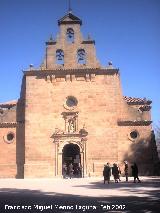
79 195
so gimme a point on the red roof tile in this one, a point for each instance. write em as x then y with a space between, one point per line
132 100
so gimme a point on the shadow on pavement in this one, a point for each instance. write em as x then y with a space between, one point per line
37 201
122 184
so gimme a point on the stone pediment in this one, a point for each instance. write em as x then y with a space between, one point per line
59 134
69 18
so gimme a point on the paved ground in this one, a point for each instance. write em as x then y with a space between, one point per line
79 195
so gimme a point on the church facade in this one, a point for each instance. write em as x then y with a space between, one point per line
72 110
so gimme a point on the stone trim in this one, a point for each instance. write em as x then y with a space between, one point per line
64 72
51 42
10 124
67 135
70 22
134 123
88 42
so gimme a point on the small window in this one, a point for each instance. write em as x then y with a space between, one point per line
133 135
71 101
70 35
81 56
9 137
60 57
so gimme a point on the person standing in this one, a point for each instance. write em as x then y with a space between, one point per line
119 172
115 172
64 170
70 170
107 173
126 170
134 168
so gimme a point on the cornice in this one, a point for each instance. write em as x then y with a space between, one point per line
134 123
10 124
64 72
88 42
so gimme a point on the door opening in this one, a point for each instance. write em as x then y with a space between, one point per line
71 157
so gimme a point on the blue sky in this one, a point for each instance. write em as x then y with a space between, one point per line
127 32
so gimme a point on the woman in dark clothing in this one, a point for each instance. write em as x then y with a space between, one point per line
115 172
107 173
135 172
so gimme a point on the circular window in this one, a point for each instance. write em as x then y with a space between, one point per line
133 135
70 103
9 138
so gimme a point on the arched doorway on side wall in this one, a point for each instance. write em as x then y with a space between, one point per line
71 155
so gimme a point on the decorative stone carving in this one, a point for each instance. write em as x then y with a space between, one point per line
71 126
58 131
71 121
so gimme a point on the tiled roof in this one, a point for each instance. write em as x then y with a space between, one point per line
8 103
141 101
145 108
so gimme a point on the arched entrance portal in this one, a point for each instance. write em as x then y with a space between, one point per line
71 155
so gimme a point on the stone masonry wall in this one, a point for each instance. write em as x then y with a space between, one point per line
97 107
8 166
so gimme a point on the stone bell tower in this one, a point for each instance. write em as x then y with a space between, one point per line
70 49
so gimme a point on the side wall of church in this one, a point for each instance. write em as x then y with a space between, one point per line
139 150
8 167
